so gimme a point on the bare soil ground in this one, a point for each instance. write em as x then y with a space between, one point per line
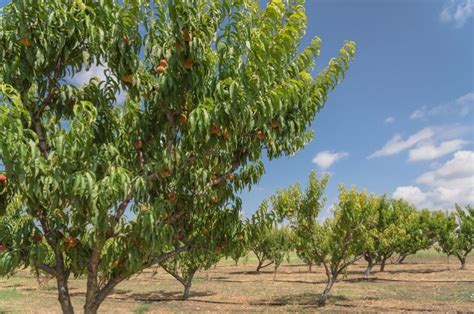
425 282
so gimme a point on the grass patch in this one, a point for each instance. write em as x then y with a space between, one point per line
10 294
142 308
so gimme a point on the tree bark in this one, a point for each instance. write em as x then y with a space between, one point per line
188 283
327 290
63 289
382 264
260 265
368 270
462 259
310 267
401 258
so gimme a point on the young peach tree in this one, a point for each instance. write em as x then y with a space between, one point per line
335 243
270 242
193 94
455 233
208 244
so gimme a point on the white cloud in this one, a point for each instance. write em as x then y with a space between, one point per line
396 144
389 120
462 106
410 193
82 77
449 183
430 151
326 158
457 12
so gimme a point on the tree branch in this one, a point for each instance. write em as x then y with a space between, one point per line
46 268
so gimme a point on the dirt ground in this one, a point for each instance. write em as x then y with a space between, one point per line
423 283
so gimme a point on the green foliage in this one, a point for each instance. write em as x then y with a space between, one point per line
455 232
101 180
270 242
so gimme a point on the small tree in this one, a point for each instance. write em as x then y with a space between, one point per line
336 243
209 85
456 233
208 244
392 225
418 234
269 242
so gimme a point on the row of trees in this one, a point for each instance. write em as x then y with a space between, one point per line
102 188
363 225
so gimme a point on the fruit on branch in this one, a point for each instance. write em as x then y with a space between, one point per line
214 129
166 172
183 118
138 144
128 78
126 40
260 135
71 242
188 63
25 42
116 264
160 69
187 36
275 124
172 196
3 178
230 176
3 248
164 62
218 249
37 238
225 136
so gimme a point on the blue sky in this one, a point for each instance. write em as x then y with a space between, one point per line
402 121
410 89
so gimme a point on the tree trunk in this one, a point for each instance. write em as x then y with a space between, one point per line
401 259
62 277
327 290
90 305
382 265
188 283
63 289
370 265
310 267
463 262
368 270
259 266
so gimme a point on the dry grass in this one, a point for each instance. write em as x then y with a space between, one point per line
426 282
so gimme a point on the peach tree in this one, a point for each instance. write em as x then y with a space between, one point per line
339 240
209 242
455 232
192 94
267 239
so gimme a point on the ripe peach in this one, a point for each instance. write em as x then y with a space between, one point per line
214 129
260 135
160 69
166 172
172 197
3 178
3 248
128 78
275 124
25 42
186 36
164 62
225 136
183 119
188 64
138 144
